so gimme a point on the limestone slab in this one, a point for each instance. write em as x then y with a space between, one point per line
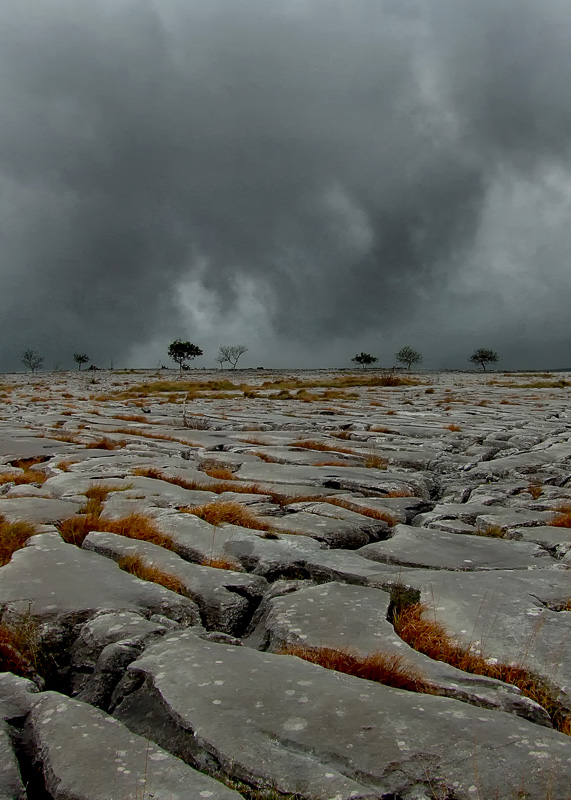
86 755
436 549
279 721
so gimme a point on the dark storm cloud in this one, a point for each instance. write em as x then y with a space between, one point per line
340 156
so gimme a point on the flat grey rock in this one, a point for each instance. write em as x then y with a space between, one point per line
225 598
15 695
86 755
354 618
11 786
345 478
504 614
544 535
52 579
420 547
35 509
331 528
278 721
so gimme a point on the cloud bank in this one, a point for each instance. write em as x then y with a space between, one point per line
310 178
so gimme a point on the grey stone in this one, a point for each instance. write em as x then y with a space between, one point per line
54 580
86 755
345 478
225 598
11 786
420 547
15 695
505 615
35 509
279 721
545 535
332 530
354 618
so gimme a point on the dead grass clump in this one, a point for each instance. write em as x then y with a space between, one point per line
131 417
376 462
65 465
18 650
535 489
493 531
13 536
314 444
431 638
23 478
28 463
229 512
391 670
105 444
147 572
342 434
265 457
454 428
148 435
563 518
220 562
219 473
134 526
366 511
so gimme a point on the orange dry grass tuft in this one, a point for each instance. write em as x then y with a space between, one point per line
392 670
314 444
16 652
493 531
232 513
13 536
367 511
376 462
279 498
148 572
264 457
563 519
220 473
105 444
454 428
535 489
151 435
21 478
135 526
431 638
28 463
221 562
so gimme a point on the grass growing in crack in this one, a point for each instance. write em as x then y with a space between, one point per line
220 562
137 566
376 462
219 473
23 478
20 651
391 670
105 444
563 518
431 638
134 526
493 531
314 444
229 512
279 498
366 511
13 536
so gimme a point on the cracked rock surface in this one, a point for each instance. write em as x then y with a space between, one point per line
170 541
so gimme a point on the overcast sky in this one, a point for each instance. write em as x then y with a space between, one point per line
309 178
